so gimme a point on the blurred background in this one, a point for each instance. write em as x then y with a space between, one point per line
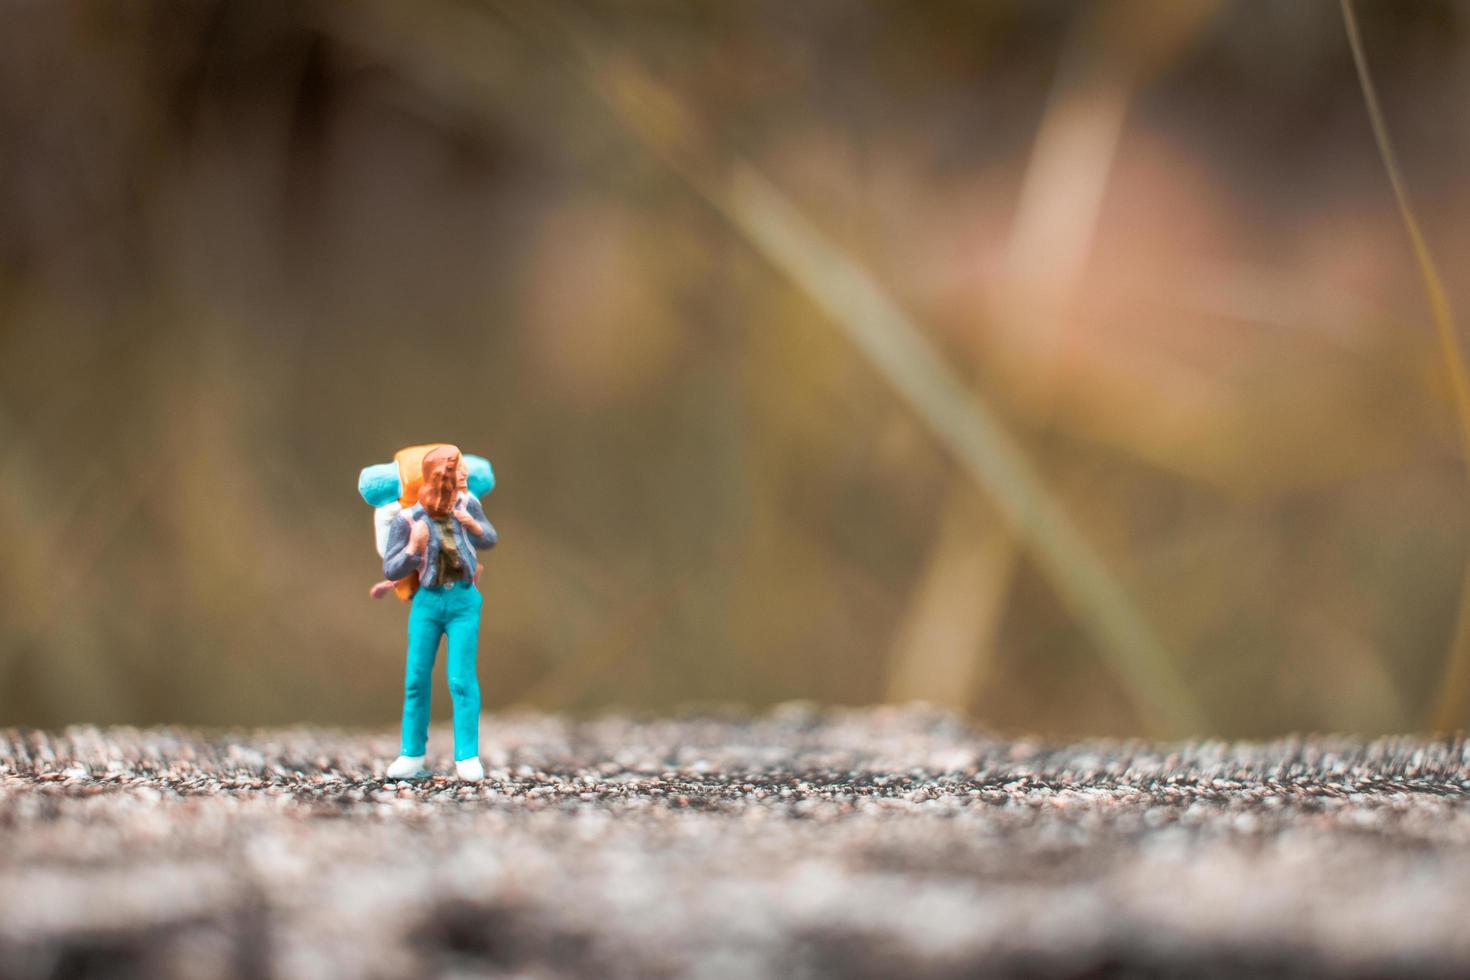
767 314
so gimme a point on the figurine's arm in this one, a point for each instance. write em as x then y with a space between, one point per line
400 557
481 531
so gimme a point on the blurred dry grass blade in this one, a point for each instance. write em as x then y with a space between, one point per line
888 338
895 346
944 645
1454 690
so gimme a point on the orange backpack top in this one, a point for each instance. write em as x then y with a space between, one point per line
410 464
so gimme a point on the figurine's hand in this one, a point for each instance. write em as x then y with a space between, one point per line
470 524
418 537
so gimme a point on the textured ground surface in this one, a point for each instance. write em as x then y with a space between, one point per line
868 844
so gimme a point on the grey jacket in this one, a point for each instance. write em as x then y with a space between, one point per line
398 563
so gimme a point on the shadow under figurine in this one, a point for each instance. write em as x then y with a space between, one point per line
429 525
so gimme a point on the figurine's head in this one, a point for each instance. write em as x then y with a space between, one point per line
462 481
442 465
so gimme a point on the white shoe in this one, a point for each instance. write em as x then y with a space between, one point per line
470 770
408 767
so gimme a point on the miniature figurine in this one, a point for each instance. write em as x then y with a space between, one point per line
428 542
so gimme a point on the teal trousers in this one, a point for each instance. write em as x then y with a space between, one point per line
452 612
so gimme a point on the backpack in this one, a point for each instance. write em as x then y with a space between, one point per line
398 483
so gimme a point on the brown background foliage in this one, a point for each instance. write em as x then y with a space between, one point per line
248 248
